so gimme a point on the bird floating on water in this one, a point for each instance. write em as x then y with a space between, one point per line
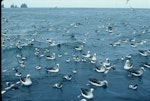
53 69
38 67
96 82
100 69
58 85
68 60
83 100
87 55
79 48
87 93
74 71
51 57
146 64
138 72
67 77
128 65
144 52
93 58
10 86
106 62
26 80
134 87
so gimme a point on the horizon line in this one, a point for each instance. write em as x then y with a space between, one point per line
88 7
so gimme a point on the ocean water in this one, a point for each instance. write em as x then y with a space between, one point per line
25 30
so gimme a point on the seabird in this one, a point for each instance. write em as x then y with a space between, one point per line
38 67
129 56
128 65
67 77
79 48
144 52
87 93
77 59
93 58
138 72
108 69
58 85
109 29
134 87
83 100
21 61
10 86
74 71
87 55
146 64
106 62
18 74
100 69
68 60
96 82
83 59
26 80
53 69
59 55
51 57
22 65
133 45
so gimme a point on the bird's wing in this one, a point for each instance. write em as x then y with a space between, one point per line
84 91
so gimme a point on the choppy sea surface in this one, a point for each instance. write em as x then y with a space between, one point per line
29 36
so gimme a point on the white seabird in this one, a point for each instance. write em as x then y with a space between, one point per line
144 52
87 93
108 69
146 64
106 62
93 58
58 85
53 69
77 59
79 48
26 81
51 57
68 60
128 65
100 69
83 100
38 67
18 74
138 72
67 77
87 55
74 71
134 87
96 82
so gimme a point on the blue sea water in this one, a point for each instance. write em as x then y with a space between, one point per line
68 28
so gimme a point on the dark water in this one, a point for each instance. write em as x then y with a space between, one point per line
68 28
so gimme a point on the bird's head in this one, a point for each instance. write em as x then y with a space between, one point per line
28 75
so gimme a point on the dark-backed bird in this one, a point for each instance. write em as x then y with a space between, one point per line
87 93
53 69
26 80
138 72
96 82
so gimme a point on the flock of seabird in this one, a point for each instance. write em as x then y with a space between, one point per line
87 57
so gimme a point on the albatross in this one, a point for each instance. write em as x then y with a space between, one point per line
87 93
26 80
53 69
128 65
138 72
96 82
